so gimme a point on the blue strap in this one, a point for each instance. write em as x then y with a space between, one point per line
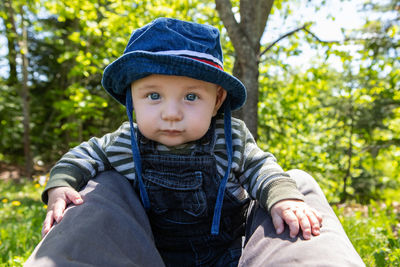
135 151
222 186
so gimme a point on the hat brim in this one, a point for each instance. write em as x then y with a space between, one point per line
119 75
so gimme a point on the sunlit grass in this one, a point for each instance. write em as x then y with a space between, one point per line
21 216
374 231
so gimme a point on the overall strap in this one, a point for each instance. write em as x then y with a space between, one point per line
221 190
145 145
136 154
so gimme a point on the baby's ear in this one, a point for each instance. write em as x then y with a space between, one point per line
221 96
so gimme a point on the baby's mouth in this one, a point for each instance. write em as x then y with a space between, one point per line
171 132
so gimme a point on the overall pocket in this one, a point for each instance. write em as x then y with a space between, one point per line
177 198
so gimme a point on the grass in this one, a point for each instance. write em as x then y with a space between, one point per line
21 216
373 229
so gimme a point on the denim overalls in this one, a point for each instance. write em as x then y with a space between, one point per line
182 190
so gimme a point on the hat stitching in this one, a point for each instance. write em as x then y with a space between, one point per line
191 53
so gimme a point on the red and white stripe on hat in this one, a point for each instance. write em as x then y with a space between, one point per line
203 57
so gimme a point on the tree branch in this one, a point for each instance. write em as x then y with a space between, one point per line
303 28
265 7
235 32
224 8
317 38
280 38
253 17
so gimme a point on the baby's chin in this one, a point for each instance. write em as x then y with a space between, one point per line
174 138
174 143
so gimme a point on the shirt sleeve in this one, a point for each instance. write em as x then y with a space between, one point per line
81 164
261 175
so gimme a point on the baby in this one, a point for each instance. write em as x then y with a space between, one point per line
194 166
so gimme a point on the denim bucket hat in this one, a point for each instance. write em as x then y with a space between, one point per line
172 47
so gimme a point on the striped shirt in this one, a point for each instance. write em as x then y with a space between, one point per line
254 173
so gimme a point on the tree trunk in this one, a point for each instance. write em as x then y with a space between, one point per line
24 88
26 99
245 36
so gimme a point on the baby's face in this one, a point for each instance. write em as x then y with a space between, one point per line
174 110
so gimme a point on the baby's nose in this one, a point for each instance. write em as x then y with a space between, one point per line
172 112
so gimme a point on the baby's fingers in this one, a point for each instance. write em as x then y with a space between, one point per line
292 221
48 223
58 209
315 221
278 223
74 197
304 221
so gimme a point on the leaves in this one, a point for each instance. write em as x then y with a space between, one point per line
335 116
336 120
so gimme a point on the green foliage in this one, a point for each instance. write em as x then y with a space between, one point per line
339 117
374 232
10 121
328 123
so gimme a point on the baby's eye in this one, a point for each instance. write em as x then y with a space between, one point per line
191 97
154 96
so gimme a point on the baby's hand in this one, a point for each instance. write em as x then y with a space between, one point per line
296 214
59 198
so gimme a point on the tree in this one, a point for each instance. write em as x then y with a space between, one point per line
23 87
245 36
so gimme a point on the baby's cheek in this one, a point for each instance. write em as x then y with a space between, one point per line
199 130
146 126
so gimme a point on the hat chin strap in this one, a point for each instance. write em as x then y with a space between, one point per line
136 154
221 190
222 186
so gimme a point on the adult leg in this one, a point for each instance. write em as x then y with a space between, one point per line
109 229
331 248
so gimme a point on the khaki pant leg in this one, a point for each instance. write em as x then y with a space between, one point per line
109 229
331 248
